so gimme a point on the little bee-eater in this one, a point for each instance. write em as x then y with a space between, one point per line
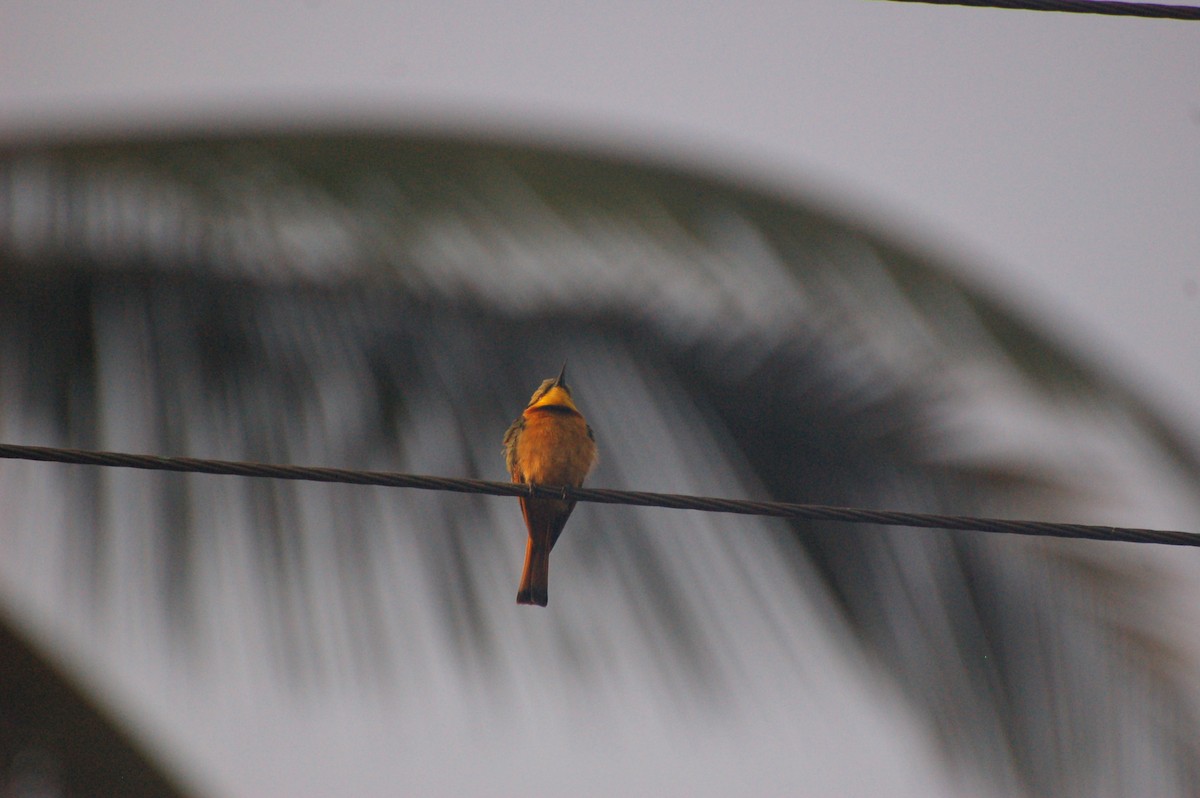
550 444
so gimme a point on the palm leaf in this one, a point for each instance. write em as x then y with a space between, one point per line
388 302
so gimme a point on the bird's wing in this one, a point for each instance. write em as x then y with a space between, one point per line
510 448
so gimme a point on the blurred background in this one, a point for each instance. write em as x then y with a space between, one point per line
885 255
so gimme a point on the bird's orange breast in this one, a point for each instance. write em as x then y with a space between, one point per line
554 447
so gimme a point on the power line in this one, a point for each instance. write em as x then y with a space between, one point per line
1153 10
811 512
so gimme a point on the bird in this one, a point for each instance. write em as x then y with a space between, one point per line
550 443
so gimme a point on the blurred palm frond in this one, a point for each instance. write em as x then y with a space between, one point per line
388 302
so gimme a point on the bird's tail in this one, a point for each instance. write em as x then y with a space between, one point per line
535 579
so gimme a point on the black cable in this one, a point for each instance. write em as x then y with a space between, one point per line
812 512
1154 10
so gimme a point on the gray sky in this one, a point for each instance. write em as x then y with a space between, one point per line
1056 157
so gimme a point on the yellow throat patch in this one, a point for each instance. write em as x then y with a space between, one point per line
557 395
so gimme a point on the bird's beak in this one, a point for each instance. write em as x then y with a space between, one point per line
561 379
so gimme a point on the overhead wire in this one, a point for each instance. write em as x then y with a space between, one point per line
1107 7
810 512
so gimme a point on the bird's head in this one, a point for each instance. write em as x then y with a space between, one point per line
553 392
